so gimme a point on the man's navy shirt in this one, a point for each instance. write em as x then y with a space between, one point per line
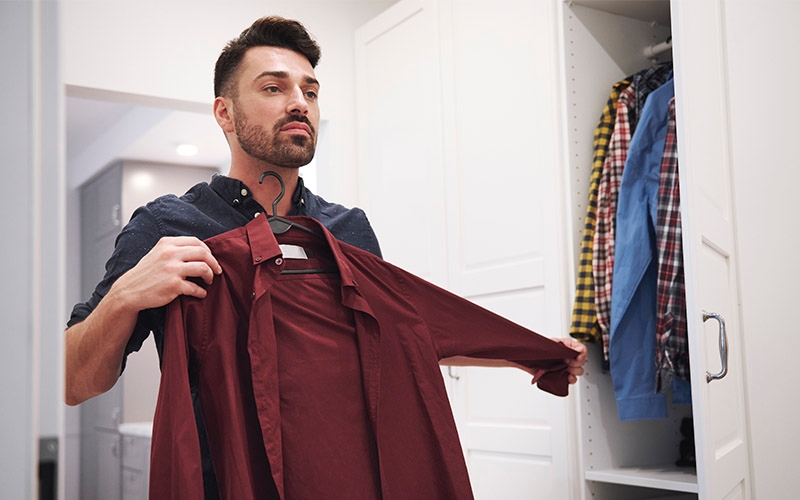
206 210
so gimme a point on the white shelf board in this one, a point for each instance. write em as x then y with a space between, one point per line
666 478
646 10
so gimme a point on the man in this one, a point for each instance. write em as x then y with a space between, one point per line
267 106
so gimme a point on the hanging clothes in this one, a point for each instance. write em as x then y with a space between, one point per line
632 343
395 437
584 312
672 343
607 194
629 107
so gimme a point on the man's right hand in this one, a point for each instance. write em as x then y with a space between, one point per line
162 274
95 347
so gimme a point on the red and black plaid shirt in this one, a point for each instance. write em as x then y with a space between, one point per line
607 194
672 351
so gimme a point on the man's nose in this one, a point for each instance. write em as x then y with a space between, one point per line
297 102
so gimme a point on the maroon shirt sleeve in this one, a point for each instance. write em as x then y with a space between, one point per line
459 327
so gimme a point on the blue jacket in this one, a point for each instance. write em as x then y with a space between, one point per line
632 341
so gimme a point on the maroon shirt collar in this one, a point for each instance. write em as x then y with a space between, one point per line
264 247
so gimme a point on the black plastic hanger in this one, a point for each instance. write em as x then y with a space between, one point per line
278 224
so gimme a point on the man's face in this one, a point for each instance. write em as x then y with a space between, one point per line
276 114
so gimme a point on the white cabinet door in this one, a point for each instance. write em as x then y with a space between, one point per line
459 163
502 108
704 112
399 106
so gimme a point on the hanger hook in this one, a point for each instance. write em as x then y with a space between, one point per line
283 189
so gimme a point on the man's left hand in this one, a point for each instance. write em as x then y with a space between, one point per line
574 366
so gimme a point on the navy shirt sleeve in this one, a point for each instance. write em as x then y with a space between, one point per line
137 238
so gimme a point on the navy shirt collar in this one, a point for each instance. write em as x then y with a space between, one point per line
237 194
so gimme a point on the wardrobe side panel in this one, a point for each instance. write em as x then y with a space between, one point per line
765 182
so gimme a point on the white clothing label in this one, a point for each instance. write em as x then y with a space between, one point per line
293 252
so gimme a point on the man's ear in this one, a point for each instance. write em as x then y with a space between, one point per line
223 114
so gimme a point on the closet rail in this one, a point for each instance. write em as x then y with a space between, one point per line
652 51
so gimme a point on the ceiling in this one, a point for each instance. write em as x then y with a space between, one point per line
102 131
103 127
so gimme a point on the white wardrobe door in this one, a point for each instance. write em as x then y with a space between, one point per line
704 111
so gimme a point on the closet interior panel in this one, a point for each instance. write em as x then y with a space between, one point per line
603 42
600 49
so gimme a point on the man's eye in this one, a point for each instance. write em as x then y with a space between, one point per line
311 94
272 89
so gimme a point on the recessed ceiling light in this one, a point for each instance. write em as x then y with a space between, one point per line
187 149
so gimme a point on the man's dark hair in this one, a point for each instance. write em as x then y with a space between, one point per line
270 31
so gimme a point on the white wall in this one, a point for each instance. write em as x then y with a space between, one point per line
31 200
167 49
16 357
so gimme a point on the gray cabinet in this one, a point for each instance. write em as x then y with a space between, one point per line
108 449
136 439
101 203
101 200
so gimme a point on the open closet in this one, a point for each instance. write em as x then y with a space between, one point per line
604 42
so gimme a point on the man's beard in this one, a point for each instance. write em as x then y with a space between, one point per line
289 150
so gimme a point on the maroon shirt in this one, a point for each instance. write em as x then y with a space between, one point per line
323 385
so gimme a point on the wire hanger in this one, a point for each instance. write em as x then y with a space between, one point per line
279 225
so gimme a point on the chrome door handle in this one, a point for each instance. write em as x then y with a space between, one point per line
723 346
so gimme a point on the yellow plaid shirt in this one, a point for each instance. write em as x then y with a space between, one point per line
584 312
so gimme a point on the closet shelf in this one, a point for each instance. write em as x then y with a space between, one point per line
651 11
667 477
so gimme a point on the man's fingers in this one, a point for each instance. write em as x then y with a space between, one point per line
193 290
574 365
188 249
198 269
182 241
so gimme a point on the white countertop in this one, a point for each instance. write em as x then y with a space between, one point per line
140 429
